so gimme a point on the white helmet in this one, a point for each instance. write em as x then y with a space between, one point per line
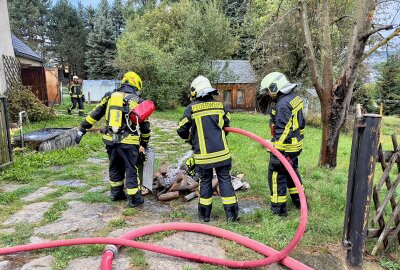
276 82
201 87
75 77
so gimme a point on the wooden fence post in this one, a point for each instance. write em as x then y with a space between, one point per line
361 177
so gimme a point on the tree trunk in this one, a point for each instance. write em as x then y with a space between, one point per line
334 111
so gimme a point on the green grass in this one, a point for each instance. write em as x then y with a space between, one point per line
325 188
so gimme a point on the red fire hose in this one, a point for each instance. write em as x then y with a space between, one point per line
271 254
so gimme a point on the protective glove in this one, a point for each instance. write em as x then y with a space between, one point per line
142 158
79 136
190 165
83 99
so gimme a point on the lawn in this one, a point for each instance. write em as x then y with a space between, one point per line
325 188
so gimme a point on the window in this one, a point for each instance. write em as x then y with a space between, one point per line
227 96
240 97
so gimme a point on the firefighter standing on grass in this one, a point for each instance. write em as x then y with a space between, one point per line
123 143
202 126
287 127
77 96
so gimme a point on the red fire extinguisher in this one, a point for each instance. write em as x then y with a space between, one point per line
142 111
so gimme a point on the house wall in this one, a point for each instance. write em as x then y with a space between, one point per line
28 62
238 96
6 47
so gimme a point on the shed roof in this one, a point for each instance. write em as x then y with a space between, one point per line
233 71
23 50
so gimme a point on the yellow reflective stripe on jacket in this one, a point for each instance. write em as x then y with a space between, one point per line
286 131
207 113
228 115
200 135
229 200
302 131
278 199
132 191
183 122
212 160
116 183
273 112
211 155
90 120
206 201
288 147
130 139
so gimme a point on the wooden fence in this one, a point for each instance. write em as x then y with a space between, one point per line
385 223
5 141
12 70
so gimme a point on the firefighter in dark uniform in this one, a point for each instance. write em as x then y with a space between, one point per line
77 96
125 146
202 126
287 129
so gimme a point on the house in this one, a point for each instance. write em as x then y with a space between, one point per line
236 82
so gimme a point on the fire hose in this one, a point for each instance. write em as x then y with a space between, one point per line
272 255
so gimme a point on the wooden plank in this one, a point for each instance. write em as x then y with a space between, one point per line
386 172
385 231
396 148
387 198
394 235
375 232
381 220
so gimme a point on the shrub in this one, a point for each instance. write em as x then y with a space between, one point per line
313 119
20 98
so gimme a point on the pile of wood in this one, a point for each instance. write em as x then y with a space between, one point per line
171 183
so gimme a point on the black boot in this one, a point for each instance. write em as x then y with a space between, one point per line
69 110
117 193
279 209
232 212
81 114
204 212
135 200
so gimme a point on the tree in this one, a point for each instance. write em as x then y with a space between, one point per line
67 36
101 45
29 21
117 16
169 45
335 88
389 85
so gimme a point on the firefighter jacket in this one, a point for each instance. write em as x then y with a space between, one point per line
287 123
202 126
75 90
128 137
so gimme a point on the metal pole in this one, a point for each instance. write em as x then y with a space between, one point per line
358 206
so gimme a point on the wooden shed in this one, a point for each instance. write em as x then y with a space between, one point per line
32 70
236 82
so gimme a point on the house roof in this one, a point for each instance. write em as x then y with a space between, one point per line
23 50
233 71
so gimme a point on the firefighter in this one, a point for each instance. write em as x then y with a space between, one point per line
287 130
77 96
125 142
202 126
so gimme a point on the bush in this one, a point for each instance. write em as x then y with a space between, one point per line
20 98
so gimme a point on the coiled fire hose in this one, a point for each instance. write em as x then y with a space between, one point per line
272 255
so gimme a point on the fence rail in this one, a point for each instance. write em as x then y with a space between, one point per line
6 157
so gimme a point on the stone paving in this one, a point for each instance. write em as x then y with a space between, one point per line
86 219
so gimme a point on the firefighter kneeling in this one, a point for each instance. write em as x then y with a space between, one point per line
202 126
124 137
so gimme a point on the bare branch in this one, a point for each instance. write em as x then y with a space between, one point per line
381 43
309 48
339 19
373 31
279 7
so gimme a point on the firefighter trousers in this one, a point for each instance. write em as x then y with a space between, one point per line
225 184
123 165
77 101
280 181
